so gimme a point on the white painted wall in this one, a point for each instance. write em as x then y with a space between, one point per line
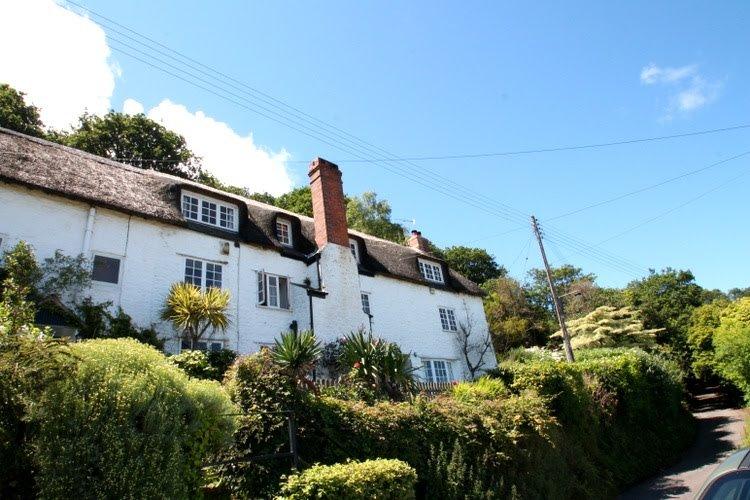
153 257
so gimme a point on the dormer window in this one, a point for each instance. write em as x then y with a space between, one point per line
208 211
431 271
354 246
284 232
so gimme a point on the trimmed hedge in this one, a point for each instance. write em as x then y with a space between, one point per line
381 479
126 423
546 429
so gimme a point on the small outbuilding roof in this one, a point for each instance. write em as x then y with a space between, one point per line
74 174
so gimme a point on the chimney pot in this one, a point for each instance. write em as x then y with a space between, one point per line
329 209
418 242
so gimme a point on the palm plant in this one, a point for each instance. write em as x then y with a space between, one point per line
297 354
194 311
378 363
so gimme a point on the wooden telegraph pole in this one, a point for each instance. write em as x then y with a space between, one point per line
555 299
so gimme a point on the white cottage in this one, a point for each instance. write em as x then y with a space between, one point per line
144 230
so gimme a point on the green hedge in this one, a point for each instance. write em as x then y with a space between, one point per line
381 479
125 423
546 429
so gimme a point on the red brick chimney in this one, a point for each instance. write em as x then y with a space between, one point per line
417 241
329 209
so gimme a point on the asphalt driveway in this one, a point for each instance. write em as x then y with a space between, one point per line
720 431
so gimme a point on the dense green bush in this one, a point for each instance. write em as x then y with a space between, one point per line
195 364
381 479
731 342
548 429
126 424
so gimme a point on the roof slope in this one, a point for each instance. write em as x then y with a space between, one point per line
75 174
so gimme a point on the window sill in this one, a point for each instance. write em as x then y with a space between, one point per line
271 308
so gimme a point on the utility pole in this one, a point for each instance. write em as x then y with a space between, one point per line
555 299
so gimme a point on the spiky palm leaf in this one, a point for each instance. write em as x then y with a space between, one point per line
194 311
297 353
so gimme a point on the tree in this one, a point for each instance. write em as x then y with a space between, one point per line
584 296
738 293
513 320
474 346
266 198
16 115
298 200
700 337
210 180
193 311
474 263
372 216
563 277
136 139
666 301
732 345
609 326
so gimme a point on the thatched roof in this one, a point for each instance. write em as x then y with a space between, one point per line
74 174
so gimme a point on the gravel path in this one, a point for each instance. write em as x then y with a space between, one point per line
720 431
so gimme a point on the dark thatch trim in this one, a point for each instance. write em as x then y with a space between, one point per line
77 175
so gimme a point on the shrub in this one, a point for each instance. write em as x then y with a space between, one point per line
382 479
297 353
126 423
731 342
484 388
195 364
221 360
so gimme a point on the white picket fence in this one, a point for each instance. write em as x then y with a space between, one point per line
429 389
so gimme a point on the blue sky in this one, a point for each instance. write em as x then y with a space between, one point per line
440 78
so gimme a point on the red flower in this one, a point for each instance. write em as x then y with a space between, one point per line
454 382
357 365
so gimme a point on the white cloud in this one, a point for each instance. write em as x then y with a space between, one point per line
687 89
58 58
233 158
655 74
132 107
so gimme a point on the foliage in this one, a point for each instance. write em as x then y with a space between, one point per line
700 337
297 353
738 293
263 390
19 264
29 361
484 388
193 310
195 364
379 365
382 479
512 318
221 360
453 475
372 216
136 139
266 198
586 296
16 115
330 355
127 424
608 326
95 321
563 277
63 275
474 263
666 300
298 200
731 342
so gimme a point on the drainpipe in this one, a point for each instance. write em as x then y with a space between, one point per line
89 232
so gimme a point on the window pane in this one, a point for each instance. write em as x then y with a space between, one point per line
366 303
427 367
213 275
208 212
441 373
217 346
273 291
283 293
193 272
106 269
283 232
226 217
261 288
190 207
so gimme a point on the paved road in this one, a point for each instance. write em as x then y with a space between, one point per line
720 430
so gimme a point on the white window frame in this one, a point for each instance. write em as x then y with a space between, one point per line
204 268
287 225
209 211
208 344
431 367
354 247
431 271
270 291
366 303
94 255
448 319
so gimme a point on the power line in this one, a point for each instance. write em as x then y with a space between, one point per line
673 209
555 148
647 188
417 174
